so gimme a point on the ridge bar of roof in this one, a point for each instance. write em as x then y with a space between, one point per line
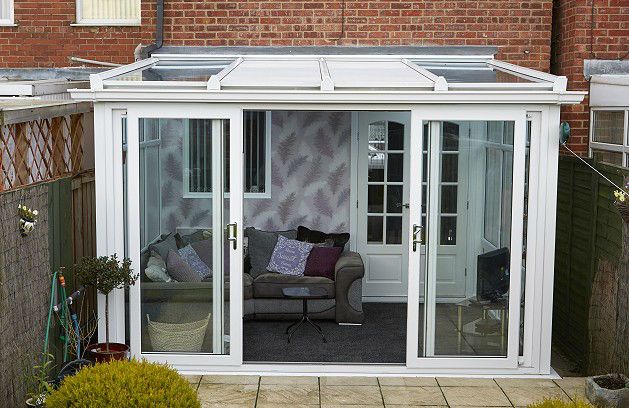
214 83
440 83
327 84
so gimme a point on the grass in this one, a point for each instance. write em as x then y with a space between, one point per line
557 403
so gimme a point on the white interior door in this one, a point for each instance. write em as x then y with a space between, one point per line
182 151
382 238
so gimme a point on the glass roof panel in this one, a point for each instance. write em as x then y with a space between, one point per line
185 71
375 74
473 72
278 73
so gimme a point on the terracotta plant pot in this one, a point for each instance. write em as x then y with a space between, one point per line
99 354
608 391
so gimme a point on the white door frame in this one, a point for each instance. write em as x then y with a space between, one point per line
460 113
191 111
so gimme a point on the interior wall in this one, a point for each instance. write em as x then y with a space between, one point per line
310 171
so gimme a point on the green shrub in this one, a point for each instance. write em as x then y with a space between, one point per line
557 403
124 384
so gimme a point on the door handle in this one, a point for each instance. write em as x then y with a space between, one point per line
234 236
418 230
405 205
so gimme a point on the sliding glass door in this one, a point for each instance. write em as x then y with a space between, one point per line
465 260
184 216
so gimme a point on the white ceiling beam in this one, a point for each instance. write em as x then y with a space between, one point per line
327 84
440 83
214 83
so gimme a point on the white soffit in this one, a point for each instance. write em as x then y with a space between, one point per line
282 73
375 74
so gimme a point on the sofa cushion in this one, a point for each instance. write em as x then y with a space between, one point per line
321 262
179 269
156 269
315 237
190 256
261 245
203 248
183 240
289 256
269 285
166 244
247 286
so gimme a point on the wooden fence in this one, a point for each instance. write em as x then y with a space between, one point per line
589 231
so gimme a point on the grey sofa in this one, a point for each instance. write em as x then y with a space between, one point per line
263 298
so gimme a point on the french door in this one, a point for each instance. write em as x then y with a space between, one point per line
466 238
183 167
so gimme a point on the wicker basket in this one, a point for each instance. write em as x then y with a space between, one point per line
623 209
185 337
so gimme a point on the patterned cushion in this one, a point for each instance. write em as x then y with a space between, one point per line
261 246
289 256
189 255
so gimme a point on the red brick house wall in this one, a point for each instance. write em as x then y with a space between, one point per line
521 28
582 32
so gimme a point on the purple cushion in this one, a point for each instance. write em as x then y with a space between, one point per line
203 248
322 261
179 270
190 256
289 256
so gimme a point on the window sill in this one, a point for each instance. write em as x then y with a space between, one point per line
9 25
105 24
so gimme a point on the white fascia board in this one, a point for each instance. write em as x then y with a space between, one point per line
361 57
214 83
335 98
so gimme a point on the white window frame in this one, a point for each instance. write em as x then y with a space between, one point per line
267 164
610 147
10 20
80 21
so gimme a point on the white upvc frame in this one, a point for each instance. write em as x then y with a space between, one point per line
110 234
80 21
433 115
622 148
10 19
191 111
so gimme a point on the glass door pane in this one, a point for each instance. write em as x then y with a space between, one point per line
183 259
470 238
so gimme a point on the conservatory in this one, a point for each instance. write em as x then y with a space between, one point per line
416 184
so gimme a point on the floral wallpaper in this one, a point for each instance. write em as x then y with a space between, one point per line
309 168
310 173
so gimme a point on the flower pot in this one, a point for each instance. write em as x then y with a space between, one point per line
610 390
99 354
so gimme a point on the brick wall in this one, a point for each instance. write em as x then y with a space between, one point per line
521 28
578 36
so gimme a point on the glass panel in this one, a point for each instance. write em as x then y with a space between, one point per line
376 151
607 156
375 199
609 127
449 167
477 325
450 137
394 230
192 71
448 231
255 151
395 166
374 229
394 199
448 199
108 10
527 161
396 136
461 72
179 260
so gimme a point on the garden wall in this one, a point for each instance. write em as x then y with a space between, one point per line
590 314
64 232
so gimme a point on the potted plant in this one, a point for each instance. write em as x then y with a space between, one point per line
36 379
610 390
106 273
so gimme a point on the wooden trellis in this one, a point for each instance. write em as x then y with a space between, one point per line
40 143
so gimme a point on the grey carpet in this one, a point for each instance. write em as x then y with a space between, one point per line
381 339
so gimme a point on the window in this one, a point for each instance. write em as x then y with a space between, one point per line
609 142
108 12
257 146
6 12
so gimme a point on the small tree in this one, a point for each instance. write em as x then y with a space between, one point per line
105 273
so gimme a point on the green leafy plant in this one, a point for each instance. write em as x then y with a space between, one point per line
121 383
557 403
105 273
36 379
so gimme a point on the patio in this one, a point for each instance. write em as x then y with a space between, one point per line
277 391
